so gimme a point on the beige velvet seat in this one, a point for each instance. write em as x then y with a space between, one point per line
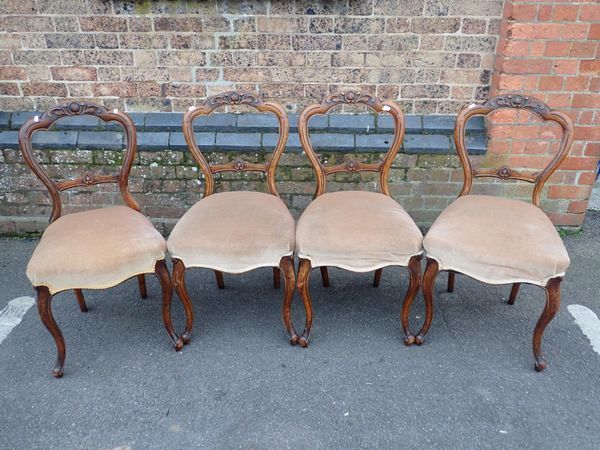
95 249
357 231
497 240
234 232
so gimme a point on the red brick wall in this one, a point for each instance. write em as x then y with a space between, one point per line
550 49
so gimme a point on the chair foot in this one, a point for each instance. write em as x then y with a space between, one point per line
414 283
162 273
429 276
513 293
81 301
550 309
142 283
219 278
179 283
302 285
44 300
377 277
286 266
324 276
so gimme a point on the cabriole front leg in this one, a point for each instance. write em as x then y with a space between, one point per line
550 309
179 283
414 273
287 268
162 273
431 272
44 299
303 277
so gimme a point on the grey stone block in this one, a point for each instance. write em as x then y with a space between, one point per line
205 141
149 140
332 141
438 124
413 124
9 139
78 123
476 145
269 141
215 122
4 120
101 140
238 141
316 123
163 121
427 143
374 142
257 122
356 123
476 124
20 117
55 139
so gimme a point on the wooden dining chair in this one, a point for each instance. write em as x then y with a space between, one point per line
97 248
355 230
234 232
500 240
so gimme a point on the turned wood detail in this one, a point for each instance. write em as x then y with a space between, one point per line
87 178
238 165
514 101
352 166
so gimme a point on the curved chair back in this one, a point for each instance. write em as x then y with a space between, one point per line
513 101
351 165
238 165
87 178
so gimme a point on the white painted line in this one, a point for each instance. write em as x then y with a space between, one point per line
588 322
11 316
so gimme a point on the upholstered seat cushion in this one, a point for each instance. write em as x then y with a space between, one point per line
497 240
358 231
95 249
234 232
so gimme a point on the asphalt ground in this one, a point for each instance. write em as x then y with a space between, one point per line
239 384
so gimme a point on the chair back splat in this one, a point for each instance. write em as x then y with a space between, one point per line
512 101
86 179
352 166
238 165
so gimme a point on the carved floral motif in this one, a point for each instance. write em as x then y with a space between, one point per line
87 179
504 172
351 97
519 101
351 165
239 165
233 98
75 109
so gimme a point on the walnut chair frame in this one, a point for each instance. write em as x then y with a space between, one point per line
286 265
351 166
552 288
87 179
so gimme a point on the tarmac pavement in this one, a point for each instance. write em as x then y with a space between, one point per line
239 384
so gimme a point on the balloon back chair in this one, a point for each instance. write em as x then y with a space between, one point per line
355 230
237 231
97 248
500 240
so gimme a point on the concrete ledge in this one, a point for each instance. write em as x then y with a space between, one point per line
250 132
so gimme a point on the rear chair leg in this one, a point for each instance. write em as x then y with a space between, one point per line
377 277
276 277
287 267
44 299
550 310
81 301
451 276
302 285
179 283
414 272
142 283
431 272
162 273
324 276
219 277
513 293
